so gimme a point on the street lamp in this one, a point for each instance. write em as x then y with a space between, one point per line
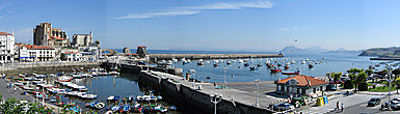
193 71
390 68
225 69
258 94
215 99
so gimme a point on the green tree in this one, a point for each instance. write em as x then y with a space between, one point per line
354 70
397 83
361 78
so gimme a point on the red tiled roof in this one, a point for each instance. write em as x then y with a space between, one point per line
35 47
4 33
303 81
70 52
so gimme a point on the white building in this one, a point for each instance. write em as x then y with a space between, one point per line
72 56
36 53
7 42
301 86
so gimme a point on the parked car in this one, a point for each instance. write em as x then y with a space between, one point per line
394 104
283 107
374 101
331 87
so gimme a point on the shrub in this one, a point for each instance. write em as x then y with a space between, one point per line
363 87
348 84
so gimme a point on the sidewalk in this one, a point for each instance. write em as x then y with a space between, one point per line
348 101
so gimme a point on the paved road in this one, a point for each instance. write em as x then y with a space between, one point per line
348 101
11 93
363 109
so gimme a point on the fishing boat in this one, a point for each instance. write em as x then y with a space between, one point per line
126 108
252 68
246 64
286 67
87 96
96 105
172 108
228 62
310 65
65 79
200 63
291 73
113 98
113 73
216 64
276 70
116 108
74 109
39 76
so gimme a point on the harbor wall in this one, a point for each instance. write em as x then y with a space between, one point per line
185 95
51 68
211 56
137 68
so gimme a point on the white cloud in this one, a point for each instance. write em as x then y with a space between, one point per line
165 13
180 11
236 5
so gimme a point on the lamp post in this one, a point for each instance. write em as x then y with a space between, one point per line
390 68
215 99
193 71
258 94
225 69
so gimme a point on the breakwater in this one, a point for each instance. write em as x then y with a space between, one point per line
386 59
211 56
136 68
174 87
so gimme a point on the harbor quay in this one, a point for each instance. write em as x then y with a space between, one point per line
198 94
233 101
211 56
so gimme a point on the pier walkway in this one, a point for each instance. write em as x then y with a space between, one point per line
230 94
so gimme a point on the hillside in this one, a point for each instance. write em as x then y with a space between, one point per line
382 52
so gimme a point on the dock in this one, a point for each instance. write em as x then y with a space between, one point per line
386 59
234 101
211 56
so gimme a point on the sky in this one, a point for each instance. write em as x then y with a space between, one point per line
245 25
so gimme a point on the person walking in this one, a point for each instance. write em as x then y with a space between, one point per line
342 108
337 105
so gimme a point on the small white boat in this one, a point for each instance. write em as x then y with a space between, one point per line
113 73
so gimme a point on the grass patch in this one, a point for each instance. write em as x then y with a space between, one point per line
370 84
381 89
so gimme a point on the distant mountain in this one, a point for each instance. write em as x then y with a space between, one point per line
316 50
295 50
382 52
344 51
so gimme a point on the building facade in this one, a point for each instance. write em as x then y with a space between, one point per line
45 35
301 86
82 40
72 56
36 53
7 45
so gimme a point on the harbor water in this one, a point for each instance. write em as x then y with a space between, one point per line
237 72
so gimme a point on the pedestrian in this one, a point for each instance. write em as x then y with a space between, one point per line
347 93
337 105
342 108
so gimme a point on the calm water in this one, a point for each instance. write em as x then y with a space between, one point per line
127 83
330 63
124 85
